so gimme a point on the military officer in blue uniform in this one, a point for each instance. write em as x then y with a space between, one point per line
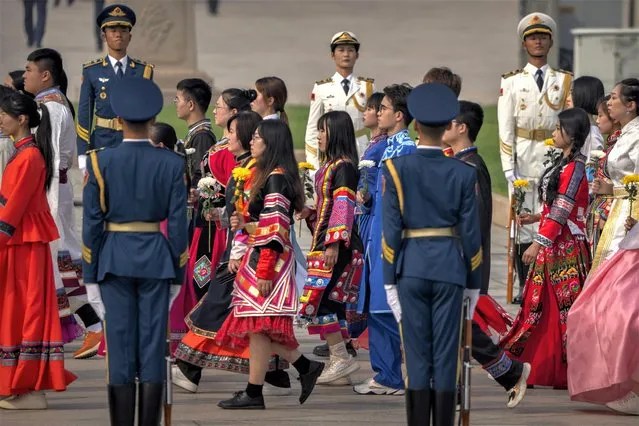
432 254
97 124
129 190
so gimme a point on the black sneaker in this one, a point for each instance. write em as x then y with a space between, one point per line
309 379
351 350
241 401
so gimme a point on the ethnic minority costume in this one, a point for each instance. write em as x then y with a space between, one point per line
383 332
538 335
267 218
599 207
198 349
208 243
622 160
332 222
363 217
31 351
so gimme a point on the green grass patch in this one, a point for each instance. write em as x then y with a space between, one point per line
487 141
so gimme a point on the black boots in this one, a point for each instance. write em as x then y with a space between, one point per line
122 404
418 403
150 404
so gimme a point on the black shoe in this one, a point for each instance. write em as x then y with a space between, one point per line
309 379
350 349
321 350
444 408
241 401
278 378
150 404
418 407
122 404
517 300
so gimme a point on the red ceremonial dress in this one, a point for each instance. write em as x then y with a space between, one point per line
556 277
31 351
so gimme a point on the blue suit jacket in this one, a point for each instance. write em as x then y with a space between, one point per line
134 182
97 78
426 189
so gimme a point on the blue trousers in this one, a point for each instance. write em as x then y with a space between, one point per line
136 325
431 319
385 350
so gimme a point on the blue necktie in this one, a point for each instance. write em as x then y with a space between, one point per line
119 72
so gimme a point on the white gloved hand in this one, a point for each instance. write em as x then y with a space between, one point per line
511 176
82 162
392 297
174 291
473 295
95 299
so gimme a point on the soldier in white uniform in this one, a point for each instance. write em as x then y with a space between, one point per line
341 92
530 100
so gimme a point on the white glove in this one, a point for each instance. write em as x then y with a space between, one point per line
393 301
95 299
473 295
511 176
174 292
82 162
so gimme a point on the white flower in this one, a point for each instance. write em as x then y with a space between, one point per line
366 164
597 154
190 151
206 183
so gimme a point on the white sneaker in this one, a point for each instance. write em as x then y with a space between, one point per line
344 381
628 404
270 390
29 401
371 387
180 380
517 393
338 369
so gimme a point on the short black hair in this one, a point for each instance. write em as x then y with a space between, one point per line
247 122
164 133
445 76
375 101
586 92
629 90
398 94
196 90
17 79
472 115
51 60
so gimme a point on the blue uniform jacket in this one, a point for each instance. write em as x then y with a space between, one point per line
429 190
97 77
134 182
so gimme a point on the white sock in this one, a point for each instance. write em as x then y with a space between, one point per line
97 327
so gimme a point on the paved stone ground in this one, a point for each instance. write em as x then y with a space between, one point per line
85 402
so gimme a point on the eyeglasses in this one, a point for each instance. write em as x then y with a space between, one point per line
383 108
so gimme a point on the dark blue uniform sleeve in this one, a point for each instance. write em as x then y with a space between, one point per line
470 233
85 114
177 224
93 202
392 225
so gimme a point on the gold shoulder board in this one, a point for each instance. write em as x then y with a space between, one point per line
93 62
367 79
511 73
326 80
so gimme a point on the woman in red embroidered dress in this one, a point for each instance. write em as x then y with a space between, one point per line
600 206
264 298
559 257
335 260
31 352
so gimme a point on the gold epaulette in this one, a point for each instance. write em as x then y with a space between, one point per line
326 80
564 71
368 79
511 73
93 62
95 150
140 62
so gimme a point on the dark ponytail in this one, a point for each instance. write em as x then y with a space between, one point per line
17 104
239 99
574 123
51 60
43 141
64 84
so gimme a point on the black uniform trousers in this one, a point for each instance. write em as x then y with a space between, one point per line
506 372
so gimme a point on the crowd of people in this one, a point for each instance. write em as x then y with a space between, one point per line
199 234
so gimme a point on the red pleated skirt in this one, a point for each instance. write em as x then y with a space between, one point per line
235 331
31 349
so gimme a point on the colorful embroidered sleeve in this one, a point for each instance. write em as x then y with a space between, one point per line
274 223
343 185
28 179
570 181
